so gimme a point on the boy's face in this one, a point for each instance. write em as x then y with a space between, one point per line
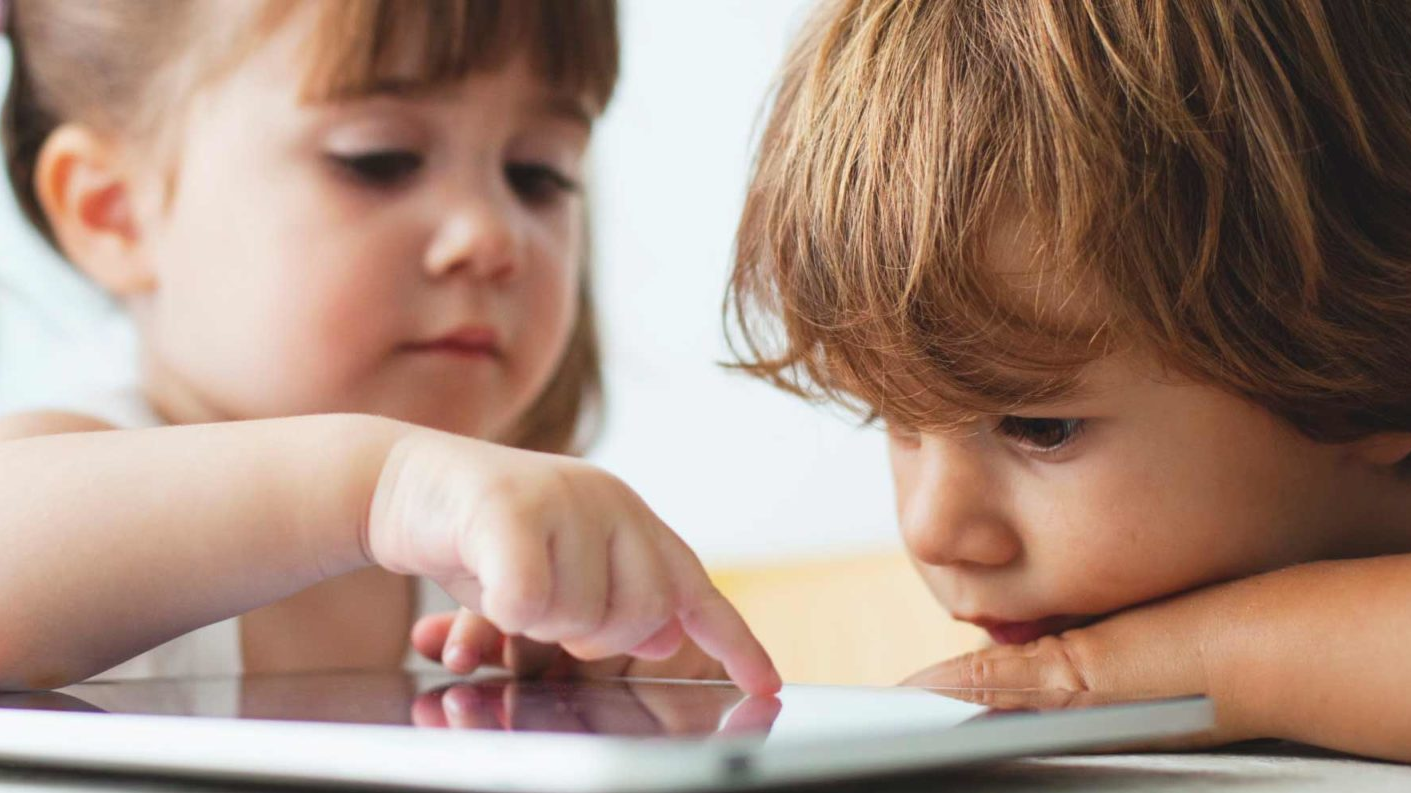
413 254
1141 485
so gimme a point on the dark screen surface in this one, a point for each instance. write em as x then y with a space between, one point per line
440 701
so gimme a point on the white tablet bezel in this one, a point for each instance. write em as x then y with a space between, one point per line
353 754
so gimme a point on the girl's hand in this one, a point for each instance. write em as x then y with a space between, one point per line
464 641
1314 653
554 550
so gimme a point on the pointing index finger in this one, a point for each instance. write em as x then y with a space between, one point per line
714 624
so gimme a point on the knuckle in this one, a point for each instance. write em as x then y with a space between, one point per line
517 604
586 649
579 623
652 611
703 597
1067 670
974 671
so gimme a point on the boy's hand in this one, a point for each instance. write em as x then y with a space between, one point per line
554 550
1181 646
464 641
1314 653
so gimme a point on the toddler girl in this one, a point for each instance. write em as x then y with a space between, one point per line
350 235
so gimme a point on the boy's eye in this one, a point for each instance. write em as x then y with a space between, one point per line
1044 435
539 184
379 168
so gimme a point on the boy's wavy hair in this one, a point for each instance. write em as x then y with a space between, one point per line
129 67
1228 183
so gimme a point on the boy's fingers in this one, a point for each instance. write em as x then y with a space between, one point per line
1042 665
1155 651
1152 652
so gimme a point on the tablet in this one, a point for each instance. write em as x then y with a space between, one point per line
439 732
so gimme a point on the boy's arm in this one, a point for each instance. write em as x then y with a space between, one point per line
1319 653
114 542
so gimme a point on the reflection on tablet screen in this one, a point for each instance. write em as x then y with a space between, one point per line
639 708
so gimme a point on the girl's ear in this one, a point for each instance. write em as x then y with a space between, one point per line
82 182
1384 448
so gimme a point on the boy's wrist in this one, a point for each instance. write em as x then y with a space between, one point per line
1261 651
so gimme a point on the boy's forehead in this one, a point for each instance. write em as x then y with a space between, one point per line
1039 279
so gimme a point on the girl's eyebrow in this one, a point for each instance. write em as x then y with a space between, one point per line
568 108
561 106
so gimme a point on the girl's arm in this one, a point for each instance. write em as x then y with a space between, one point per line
1319 653
115 542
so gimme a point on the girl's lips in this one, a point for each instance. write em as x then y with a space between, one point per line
1024 632
469 341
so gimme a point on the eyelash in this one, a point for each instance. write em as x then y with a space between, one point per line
539 185
536 184
1023 430
387 168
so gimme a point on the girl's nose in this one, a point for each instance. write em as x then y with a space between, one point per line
949 509
477 239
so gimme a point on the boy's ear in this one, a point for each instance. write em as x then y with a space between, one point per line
1384 448
88 196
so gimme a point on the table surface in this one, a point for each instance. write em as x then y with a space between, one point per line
1255 768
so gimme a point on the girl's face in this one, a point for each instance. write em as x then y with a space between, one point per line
409 254
1141 485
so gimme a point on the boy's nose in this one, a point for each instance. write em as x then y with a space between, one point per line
949 515
477 239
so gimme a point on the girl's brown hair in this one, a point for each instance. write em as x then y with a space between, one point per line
127 69
1229 183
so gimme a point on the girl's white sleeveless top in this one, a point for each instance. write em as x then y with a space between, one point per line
215 649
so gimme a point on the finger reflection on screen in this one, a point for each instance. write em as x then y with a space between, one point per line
607 707
47 700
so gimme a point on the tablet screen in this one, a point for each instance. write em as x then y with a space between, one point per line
645 708
437 731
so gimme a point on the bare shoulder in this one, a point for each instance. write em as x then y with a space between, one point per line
48 422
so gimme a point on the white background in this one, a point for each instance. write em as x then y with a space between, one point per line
744 473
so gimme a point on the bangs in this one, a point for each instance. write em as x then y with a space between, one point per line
865 270
361 47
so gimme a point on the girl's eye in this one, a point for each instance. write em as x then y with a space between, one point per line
539 185
1041 435
379 168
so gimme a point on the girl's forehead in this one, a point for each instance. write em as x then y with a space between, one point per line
364 46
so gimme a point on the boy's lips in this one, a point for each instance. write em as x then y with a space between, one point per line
1007 632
